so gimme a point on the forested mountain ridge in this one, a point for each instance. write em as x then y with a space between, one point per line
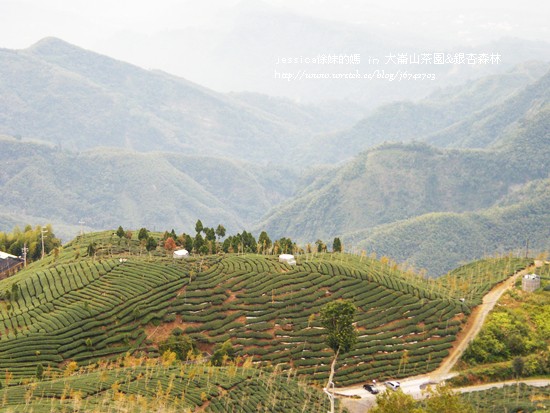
78 99
433 208
460 116
107 187
441 240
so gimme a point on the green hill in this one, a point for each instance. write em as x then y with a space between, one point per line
73 308
486 127
107 188
440 241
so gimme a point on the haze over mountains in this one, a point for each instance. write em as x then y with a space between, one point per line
89 137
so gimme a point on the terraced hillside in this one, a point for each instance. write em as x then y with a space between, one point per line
165 388
472 281
75 308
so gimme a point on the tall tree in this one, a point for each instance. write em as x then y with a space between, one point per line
143 234
198 226
264 242
170 244
341 335
336 245
209 234
321 247
220 231
120 232
443 399
198 242
151 244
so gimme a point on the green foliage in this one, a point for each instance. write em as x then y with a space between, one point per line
336 245
223 354
442 399
198 226
264 242
244 242
143 234
510 398
120 232
91 249
285 246
182 345
39 371
509 333
14 242
151 243
395 402
337 318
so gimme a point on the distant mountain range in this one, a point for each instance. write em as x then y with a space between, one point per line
449 178
463 116
77 99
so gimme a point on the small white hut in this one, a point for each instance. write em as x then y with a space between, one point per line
178 254
530 282
287 259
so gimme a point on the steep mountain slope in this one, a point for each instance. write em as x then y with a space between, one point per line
440 241
485 128
107 188
79 99
398 182
457 116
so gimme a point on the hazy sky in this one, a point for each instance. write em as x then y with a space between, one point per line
92 23
140 31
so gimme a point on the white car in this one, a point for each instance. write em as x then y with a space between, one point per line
394 385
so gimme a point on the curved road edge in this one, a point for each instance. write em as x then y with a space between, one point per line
412 385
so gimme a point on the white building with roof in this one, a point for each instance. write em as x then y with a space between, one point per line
530 282
178 254
287 259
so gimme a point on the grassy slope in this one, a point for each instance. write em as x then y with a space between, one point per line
77 309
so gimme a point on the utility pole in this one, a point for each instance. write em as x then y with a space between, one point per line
25 250
42 232
81 222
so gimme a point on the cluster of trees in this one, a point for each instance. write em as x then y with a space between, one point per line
505 335
210 240
181 344
14 242
185 348
441 399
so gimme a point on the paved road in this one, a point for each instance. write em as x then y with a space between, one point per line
414 385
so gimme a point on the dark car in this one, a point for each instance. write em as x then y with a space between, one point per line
370 388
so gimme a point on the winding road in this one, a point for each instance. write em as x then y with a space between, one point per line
414 385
